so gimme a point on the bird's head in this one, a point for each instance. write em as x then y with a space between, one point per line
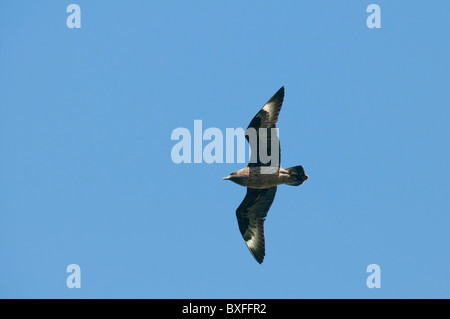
230 177
236 177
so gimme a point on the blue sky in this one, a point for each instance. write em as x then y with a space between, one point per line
86 175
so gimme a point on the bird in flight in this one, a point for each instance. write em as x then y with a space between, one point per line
262 176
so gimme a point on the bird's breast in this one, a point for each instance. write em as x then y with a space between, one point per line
260 178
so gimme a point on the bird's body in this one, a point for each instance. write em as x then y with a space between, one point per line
262 177
251 177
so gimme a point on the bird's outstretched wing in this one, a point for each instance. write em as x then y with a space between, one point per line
266 118
251 215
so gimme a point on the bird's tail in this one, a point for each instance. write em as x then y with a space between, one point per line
299 175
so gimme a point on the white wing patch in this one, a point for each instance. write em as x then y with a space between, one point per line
251 242
269 108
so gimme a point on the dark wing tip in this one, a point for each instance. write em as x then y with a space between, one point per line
278 97
259 256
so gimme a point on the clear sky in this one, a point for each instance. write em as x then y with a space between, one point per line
86 175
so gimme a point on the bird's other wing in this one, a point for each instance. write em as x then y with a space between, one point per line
267 118
251 215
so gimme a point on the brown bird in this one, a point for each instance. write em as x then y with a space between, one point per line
261 177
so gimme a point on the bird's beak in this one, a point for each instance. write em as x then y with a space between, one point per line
226 178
